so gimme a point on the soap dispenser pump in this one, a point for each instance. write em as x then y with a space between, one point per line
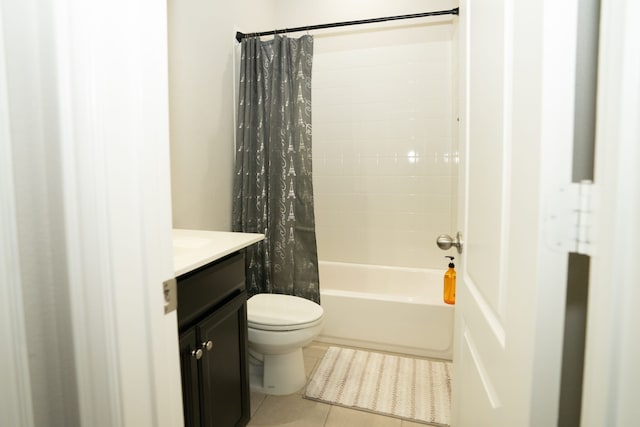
450 283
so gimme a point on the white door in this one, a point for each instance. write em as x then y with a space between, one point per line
516 123
114 121
611 371
90 80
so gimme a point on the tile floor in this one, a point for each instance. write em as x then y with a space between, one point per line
293 410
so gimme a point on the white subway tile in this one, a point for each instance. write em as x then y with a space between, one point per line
383 152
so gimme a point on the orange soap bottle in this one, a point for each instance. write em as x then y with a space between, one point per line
450 283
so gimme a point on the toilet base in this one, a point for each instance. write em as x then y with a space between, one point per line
278 374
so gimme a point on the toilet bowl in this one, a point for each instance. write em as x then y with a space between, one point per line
279 326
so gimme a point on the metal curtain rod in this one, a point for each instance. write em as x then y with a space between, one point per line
240 36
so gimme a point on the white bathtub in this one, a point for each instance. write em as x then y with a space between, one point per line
386 308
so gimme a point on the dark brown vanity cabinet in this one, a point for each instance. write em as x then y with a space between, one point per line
212 320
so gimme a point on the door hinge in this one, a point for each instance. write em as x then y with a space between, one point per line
170 291
569 217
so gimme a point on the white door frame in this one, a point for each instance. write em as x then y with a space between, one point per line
108 71
611 373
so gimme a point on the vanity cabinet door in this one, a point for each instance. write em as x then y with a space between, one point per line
189 372
224 379
212 319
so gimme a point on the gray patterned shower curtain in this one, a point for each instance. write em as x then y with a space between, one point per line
273 191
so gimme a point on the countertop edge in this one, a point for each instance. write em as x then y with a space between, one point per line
209 253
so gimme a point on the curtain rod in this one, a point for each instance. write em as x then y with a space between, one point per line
240 36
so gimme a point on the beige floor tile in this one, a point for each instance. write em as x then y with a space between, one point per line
313 354
290 410
256 401
293 410
340 417
315 349
310 364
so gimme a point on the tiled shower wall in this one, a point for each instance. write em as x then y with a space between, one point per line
385 160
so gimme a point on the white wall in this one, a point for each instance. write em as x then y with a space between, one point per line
383 145
201 88
294 13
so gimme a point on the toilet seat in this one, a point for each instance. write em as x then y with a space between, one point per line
278 312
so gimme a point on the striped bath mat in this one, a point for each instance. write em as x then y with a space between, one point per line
403 387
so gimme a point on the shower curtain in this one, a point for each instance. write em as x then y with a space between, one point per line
273 192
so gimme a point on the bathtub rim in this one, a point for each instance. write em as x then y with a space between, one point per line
383 267
333 336
406 298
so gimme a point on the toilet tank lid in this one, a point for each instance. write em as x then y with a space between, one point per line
282 310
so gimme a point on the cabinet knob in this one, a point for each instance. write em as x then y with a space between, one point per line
197 354
208 345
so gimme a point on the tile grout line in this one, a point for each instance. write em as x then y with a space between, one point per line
326 418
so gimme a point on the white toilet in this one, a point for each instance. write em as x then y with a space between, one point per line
279 326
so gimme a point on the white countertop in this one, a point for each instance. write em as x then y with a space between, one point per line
195 248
